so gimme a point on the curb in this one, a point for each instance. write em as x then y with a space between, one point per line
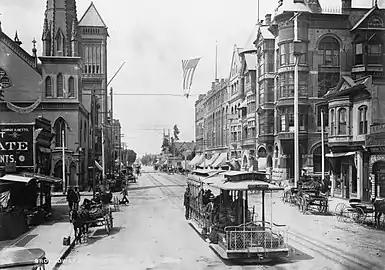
64 255
21 237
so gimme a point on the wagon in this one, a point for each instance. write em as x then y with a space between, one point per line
314 198
100 215
357 211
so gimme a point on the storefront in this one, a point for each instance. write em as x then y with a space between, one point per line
375 143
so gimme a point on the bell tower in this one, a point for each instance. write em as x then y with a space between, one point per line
60 17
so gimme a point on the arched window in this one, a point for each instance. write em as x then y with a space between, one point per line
375 22
276 155
71 87
363 120
262 152
4 79
329 51
59 85
332 121
60 126
342 121
48 87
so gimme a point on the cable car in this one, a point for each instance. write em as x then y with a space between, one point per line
233 228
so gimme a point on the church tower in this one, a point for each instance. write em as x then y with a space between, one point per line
59 23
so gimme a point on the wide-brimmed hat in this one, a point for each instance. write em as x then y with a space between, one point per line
211 197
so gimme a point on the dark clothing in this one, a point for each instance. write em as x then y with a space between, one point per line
187 204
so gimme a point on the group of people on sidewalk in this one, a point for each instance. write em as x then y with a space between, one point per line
73 198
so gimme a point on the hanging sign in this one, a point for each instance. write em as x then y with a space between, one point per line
16 145
24 110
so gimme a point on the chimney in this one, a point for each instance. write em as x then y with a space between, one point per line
212 85
268 19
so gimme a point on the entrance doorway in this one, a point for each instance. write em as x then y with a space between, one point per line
379 180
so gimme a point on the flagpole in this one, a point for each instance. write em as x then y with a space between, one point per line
216 60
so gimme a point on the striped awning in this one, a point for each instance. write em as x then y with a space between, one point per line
212 159
195 160
220 160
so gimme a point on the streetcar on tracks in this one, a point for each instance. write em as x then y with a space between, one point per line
231 225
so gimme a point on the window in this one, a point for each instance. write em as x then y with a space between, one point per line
71 87
59 85
375 22
270 90
359 59
363 125
59 42
375 51
283 123
342 121
60 126
261 67
270 122
329 51
332 121
269 62
262 118
327 81
48 87
4 79
286 54
261 93
286 82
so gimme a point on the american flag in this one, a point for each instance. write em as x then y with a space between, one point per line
188 67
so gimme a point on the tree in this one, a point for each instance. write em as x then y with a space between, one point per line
176 133
131 156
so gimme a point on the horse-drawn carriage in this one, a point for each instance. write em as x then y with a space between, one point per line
359 211
310 193
92 213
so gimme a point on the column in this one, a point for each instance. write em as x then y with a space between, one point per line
360 174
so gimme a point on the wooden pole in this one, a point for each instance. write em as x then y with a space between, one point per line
93 116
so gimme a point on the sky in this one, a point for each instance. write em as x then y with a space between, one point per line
152 37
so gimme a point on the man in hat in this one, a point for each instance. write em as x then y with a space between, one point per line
186 202
209 210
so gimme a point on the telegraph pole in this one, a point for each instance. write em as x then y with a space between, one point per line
112 134
296 101
93 116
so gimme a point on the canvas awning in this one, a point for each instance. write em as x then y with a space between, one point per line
203 163
16 178
196 160
220 160
98 166
336 155
43 178
212 159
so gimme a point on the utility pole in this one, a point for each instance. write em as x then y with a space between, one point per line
296 101
63 161
112 134
93 116
322 146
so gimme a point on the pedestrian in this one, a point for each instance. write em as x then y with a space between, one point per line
209 211
187 202
125 194
71 197
76 199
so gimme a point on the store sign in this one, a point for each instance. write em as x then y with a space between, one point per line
16 145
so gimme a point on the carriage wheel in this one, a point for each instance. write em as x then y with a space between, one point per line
340 212
358 215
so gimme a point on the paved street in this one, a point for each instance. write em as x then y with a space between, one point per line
151 233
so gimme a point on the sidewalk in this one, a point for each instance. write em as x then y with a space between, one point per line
49 236
60 194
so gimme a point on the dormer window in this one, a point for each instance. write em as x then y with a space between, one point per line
375 22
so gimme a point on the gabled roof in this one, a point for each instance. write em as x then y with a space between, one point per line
92 18
364 18
347 86
235 62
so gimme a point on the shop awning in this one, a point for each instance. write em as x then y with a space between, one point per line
43 178
220 160
212 159
16 178
195 160
336 155
98 166
203 163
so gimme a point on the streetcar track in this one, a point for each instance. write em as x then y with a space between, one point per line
332 253
167 191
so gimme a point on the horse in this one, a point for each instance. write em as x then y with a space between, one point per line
379 209
79 219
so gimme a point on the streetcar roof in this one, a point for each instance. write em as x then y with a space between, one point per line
245 185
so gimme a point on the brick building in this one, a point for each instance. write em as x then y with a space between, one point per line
340 73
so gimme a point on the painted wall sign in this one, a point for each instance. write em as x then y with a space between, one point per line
16 145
